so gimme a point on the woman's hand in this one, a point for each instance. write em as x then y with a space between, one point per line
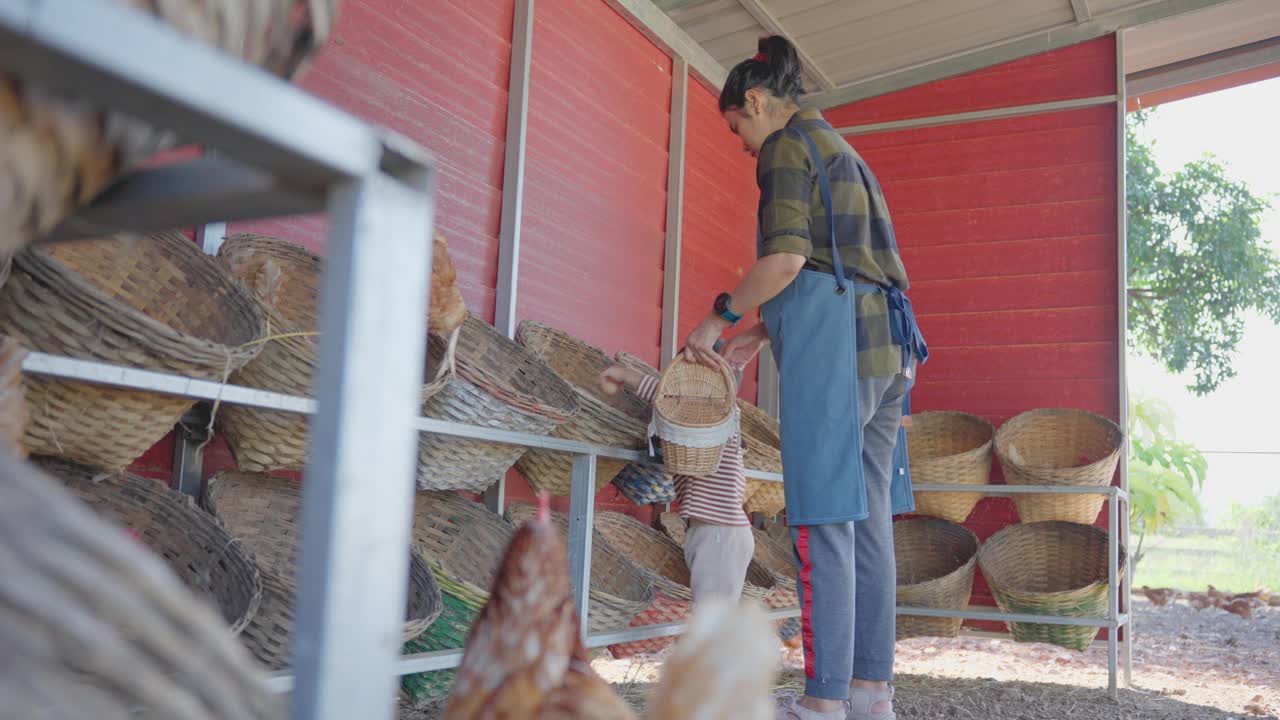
700 347
616 377
743 347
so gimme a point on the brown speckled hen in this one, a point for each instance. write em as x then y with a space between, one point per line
448 310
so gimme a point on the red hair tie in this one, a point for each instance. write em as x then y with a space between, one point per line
760 57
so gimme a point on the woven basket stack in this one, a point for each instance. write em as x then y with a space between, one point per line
763 440
153 302
263 513
761 584
949 448
662 562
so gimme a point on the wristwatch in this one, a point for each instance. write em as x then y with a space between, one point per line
721 307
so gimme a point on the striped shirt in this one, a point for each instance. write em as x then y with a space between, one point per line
793 220
718 497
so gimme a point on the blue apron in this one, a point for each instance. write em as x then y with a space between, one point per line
813 335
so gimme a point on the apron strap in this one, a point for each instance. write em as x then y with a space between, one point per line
824 187
903 327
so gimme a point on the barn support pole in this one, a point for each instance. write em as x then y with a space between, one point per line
1122 327
675 211
512 196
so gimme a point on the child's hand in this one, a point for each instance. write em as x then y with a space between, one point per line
614 379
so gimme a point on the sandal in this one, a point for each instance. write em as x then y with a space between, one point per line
789 708
861 701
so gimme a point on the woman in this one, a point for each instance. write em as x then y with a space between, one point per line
829 284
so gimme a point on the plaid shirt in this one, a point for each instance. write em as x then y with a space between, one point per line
793 220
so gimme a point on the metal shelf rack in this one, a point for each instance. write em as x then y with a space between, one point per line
303 155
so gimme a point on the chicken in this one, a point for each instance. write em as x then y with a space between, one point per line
1240 606
525 658
1159 596
1199 601
448 310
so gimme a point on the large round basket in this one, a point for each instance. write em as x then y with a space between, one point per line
499 384
761 584
662 562
777 559
695 414
154 302
95 625
618 589
762 438
765 497
464 544
1049 568
195 544
285 279
13 409
619 420
949 448
264 513
59 154
936 563
1059 447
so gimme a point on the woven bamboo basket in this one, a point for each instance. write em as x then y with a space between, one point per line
777 559
13 408
765 497
761 437
499 384
936 562
154 302
693 397
265 513
1049 568
196 545
662 562
95 625
463 543
618 589
761 584
619 420
645 484
285 278
949 448
1059 447
635 362
58 153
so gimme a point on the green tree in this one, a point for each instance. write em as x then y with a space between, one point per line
1165 474
1197 263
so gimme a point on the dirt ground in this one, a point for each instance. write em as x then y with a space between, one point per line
1188 665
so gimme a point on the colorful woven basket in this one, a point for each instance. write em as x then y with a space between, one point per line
95 625
58 154
936 560
153 302
645 484
694 415
662 562
195 544
499 384
1059 447
13 407
1050 568
264 513
619 590
619 420
463 543
949 448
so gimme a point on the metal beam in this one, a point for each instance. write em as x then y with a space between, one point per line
1205 67
1080 8
666 34
675 213
770 23
1005 51
582 500
1122 331
978 115
513 169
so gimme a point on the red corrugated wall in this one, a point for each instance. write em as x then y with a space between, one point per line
1008 231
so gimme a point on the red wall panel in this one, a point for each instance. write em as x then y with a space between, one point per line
1008 232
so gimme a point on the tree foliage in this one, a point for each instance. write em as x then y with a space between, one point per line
1166 474
1197 263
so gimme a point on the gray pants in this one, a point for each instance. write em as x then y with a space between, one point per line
718 556
847 574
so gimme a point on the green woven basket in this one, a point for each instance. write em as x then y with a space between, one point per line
449 631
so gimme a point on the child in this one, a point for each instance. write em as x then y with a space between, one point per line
718 542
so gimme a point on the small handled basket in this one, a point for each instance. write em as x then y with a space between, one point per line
694 416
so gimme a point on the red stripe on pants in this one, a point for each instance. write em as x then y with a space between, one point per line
806 598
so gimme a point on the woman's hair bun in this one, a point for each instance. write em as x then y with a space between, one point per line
776 67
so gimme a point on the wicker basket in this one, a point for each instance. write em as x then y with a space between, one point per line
58 154
1059 447
693 397
760 585
777 559
619 420
154 302
645 484
499 384
286 281
13 409
762 438
936 563
94 625
662 562
1049 568
949 448
196 545
618 589
464 544
765 497
635 362
264 513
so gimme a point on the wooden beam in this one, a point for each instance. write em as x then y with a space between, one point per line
666 34
1081 10
757 10
1006 51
